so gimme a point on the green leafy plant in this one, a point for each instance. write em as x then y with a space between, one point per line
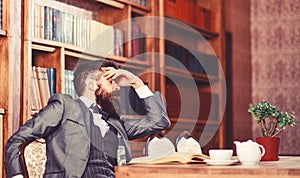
271 120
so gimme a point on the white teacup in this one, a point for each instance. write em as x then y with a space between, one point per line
220 154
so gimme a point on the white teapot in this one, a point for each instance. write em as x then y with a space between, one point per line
249 152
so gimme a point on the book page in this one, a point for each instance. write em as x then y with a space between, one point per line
172 158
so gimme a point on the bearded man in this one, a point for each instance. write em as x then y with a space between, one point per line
86 137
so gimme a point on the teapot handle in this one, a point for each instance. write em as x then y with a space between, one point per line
262 149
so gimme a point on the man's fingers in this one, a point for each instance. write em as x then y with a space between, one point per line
107 68
109 74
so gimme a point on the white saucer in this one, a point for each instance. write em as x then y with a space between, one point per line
220 162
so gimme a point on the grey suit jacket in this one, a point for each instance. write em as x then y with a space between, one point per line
64 123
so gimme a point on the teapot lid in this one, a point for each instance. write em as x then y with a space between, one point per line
250 142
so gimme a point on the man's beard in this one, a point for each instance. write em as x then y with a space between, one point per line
108 101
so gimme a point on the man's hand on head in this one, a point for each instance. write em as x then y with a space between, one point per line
122 77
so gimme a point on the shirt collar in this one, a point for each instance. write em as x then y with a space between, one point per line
88 102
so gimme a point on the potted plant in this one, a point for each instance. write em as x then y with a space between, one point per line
271 122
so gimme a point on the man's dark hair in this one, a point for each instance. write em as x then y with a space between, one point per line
110 63
83 69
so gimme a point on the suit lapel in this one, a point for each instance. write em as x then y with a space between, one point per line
84 116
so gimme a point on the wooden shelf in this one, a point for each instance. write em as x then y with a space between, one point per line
42 48
186 74
205 33
49 46
3 32
111 3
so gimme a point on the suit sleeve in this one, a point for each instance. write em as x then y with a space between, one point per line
154 121
39 126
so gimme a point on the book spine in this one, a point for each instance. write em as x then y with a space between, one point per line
50 23
51 72
36 85
54 24
34 92
63 27
75 31
72 22
72 88
42 21
46 84
42 87
65 81
46 22
36 22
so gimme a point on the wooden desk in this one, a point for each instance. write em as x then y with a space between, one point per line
286 167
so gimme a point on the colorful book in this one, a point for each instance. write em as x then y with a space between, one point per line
51 73
36 97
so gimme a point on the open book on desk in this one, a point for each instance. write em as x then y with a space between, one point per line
172 158
160 150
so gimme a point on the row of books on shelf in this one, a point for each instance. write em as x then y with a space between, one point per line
44 85
69 84
191 13
52 24
194 61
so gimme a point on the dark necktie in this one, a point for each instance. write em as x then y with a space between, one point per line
95 109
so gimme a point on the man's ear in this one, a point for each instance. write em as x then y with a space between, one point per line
91 85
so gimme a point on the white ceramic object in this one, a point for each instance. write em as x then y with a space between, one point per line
220 163
220 154
249 152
